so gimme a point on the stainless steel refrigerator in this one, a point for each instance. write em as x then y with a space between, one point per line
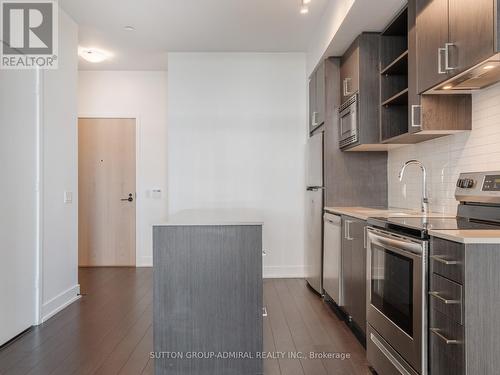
314 212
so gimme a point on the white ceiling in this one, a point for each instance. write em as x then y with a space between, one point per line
189 26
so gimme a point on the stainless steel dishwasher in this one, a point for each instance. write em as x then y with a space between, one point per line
332 257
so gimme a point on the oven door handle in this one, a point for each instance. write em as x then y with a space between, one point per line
395 243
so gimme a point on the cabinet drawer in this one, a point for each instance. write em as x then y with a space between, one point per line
446 345
446 297
447 259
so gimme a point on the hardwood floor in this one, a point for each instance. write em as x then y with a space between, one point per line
109 331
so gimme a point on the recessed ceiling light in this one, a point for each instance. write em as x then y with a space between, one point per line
93 55
447 87
129 28
305 2
304 9
489 67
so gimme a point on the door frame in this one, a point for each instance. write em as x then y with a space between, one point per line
138 169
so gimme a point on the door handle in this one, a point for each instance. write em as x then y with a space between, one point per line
441 259
440 60
447 56
444 300
129 199
447 341
346 86
348 230
413 123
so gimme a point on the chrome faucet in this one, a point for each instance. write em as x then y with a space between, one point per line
425 198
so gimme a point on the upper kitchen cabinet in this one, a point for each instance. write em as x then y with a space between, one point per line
407 116
349 72
432 36
360 88
457 44
317 98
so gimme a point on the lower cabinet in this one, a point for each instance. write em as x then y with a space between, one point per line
464 301
208 299
354 270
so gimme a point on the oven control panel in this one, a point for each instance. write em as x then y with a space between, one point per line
481 187
491 183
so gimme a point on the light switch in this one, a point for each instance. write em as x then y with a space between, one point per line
68 197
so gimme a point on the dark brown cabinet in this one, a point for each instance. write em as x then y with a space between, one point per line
464 300
349 72
471 26
317 98
432 36
453 36
354 270
406 115
359 76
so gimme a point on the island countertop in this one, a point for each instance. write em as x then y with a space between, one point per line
206 217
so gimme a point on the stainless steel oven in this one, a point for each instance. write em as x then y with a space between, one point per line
397 302
348 122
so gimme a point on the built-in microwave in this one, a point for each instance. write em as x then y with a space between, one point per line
348 122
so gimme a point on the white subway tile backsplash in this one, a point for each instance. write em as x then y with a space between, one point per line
447 157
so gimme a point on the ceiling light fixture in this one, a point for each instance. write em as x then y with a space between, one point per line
447 87
489 67
305 2
304 9
93 55
129 28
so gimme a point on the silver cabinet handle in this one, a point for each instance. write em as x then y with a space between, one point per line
447 56
444 300
447 341
348 230
314 118
365 231
264 312
389 356
440 60
441 259
346 87
413 123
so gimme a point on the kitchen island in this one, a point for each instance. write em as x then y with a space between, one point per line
208 293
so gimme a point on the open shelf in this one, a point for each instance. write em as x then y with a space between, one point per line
399 66
400 98
399 26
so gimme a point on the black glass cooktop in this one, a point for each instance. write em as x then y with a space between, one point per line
419 226
451 223
426 223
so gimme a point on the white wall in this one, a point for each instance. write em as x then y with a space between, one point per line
447 157
59 221
140 95
236 139
38 233
18 203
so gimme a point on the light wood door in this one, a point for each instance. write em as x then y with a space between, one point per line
107 179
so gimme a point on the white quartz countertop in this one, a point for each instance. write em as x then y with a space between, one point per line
363 213
469 236
197 217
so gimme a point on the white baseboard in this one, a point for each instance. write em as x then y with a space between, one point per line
284 272
144 261
60 302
